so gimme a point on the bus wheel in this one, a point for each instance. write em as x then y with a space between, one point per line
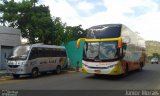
58 70
141 66
15 76
126 71
35 73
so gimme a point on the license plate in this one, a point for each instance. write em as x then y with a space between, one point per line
13 70
97 71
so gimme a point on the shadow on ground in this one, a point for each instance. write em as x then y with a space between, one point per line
131 75
44 75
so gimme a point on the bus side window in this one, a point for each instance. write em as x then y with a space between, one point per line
64 53
124 46
45 53
41 52
33 54
49 52
61 53
57 53
52 52
124 49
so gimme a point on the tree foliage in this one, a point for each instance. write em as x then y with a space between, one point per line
64 33
36 23
152 49
75 32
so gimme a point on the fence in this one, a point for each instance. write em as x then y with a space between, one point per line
74 53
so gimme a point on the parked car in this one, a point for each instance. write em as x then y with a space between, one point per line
154 61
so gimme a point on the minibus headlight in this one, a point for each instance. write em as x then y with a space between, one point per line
23 63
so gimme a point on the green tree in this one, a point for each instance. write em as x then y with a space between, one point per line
156 55
37 25
64 33
75 32
9 11
34 21
59 28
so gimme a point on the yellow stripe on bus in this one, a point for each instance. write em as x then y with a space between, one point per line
119 39
106 39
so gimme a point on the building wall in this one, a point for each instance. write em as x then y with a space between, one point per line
9 37
6 51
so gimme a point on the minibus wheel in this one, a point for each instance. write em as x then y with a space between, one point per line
15 76
35 73
58 69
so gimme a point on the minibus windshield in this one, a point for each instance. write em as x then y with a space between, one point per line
20 53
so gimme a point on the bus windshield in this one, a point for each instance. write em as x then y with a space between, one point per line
104 31
20 53
96 51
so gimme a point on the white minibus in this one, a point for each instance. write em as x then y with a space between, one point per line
37 58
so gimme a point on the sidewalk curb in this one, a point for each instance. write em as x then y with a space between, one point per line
3 78
4 74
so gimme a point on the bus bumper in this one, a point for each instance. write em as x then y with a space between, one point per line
20 71
115 70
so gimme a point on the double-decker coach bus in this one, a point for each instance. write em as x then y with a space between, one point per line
37 58
112 49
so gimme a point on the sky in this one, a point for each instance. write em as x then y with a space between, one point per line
141 16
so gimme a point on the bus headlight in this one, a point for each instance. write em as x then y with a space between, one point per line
85 65
9 62
112 65
24 64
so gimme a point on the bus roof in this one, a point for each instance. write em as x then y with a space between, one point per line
105 31
105 25
45 46
115 31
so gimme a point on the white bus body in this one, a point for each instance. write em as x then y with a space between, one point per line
37 58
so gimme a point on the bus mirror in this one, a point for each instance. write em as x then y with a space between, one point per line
124 46
78 43
127 39
120 43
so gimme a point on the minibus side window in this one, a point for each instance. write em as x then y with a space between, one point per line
33 53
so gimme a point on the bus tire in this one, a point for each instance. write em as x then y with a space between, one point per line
141 66
35 73
58 69
126 71
16 76
96 75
